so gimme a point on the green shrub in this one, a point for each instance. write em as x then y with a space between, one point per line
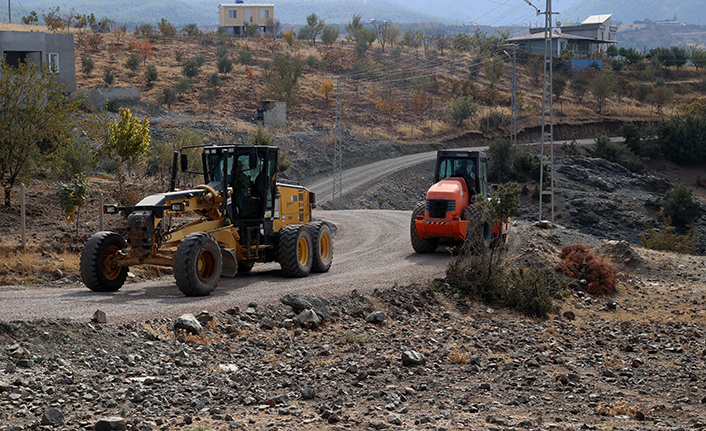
73 197
462 108
221 52
167 97
132 62
74 158
311 61
667 239
151 74
501 154
190 68
108 76
618 153
215 80
224 65
245 57
532 291
396 53
680 207
87 65
182 86
682 139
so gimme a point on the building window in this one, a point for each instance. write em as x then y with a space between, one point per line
265 14
53 61
232 13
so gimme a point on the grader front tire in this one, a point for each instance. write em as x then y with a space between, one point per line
295 251
197 264
99 271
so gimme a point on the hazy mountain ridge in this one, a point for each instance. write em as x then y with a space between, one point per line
205 13
628 11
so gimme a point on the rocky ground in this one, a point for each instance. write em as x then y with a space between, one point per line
409 357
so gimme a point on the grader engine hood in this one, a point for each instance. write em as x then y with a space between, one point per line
448 196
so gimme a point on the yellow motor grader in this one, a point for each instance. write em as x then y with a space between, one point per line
244 216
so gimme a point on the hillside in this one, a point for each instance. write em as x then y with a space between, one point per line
627 11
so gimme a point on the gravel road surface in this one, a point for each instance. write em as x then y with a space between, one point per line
372 250
354 178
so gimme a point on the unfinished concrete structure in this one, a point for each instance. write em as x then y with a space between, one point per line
45 49
272 113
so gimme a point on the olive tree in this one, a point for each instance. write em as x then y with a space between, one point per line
36 118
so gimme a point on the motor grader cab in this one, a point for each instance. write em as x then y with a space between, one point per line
448 212
244 216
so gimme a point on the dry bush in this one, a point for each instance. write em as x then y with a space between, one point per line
579 262
458 357
622 408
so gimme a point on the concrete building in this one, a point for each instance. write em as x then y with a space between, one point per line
233 16
561 42
272 113
45 49
597 28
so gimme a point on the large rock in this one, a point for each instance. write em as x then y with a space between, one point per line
188 323
309 318
412 358
53 417
301 301
110 424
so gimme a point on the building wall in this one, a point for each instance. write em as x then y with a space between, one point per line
241 11
36 46
63 44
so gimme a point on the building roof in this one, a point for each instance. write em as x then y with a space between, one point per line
555 35
597 19
246 4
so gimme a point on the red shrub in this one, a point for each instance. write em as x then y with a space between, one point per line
578 261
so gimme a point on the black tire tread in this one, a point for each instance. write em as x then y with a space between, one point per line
421 245
185 275
287 251
317 230
90 265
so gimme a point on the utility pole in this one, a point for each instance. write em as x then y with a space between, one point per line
9 12
338 152
547 116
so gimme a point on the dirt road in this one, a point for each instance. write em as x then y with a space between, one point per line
372 250
354 178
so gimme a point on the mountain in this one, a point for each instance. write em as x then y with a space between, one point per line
205 12
628 11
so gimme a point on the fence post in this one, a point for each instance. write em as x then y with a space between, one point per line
23 217
100 215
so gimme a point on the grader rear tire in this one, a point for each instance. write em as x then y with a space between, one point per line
421 245
197 264
98 269
322 247
295 251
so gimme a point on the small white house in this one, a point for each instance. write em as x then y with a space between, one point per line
234 16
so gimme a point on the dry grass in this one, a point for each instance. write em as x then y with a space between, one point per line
33 266
458 357
621 408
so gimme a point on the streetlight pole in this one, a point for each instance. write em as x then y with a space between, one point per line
513 112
